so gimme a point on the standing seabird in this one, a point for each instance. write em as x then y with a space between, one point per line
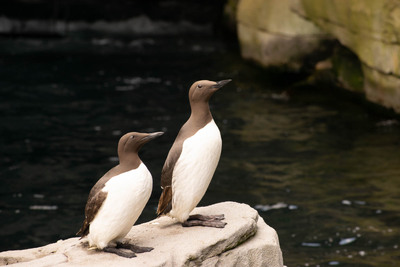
192 160
118 198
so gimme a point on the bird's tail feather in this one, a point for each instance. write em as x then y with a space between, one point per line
165 202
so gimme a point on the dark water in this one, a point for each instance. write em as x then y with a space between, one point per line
321 168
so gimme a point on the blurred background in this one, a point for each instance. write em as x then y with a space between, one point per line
309 124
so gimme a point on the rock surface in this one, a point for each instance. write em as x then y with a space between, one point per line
271 34
245 241
285 32
371 29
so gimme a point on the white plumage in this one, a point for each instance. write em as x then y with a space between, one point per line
194 169
127 196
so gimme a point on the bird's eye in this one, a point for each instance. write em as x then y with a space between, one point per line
199 86
131 137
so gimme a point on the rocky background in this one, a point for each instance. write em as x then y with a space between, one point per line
358 41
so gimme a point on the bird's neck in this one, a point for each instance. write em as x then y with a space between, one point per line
129 162
200 112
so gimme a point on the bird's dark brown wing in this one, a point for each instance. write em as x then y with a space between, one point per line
165 202
96 199
92 207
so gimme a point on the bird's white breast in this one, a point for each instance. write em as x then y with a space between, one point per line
127 195
194 169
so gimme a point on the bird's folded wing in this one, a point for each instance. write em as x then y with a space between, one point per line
92 207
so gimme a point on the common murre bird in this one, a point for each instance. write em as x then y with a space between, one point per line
118 198
192 160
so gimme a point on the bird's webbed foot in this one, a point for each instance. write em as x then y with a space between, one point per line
200 217
134 248
120 252
127 250
207 221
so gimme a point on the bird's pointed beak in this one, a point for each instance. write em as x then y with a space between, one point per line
151 136
221 83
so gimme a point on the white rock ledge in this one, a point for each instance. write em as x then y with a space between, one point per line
245 241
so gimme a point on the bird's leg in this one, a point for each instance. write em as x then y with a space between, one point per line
202 220
134 248
120 252
200 217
